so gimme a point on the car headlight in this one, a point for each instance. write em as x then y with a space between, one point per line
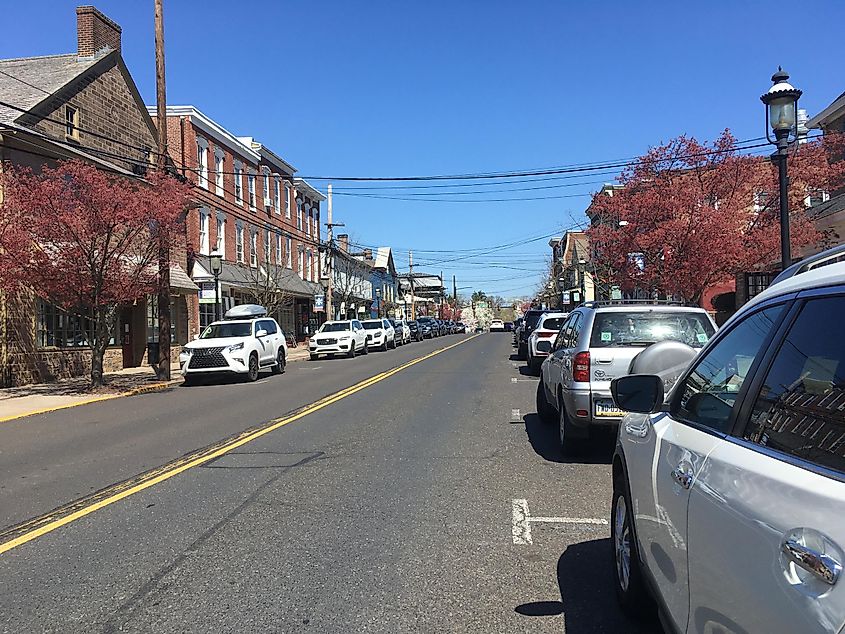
235 346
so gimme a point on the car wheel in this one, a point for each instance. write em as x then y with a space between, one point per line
279 368
351 353
628 578
252 368
521 352
366 348
568 443
383 347
189 380
544 410
393 344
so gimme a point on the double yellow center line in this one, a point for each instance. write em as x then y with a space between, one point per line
34 528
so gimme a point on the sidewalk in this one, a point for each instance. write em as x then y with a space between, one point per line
17 402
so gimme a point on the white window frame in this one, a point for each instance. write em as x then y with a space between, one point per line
287 201
219 163
308 218
277 196
202 162
265 172
289 252
250 189
279 259
299 215
239 244
253 247
204 229
301 262
267 250
239 182
308 265
220 245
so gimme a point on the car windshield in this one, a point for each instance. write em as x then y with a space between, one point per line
645 328
339 326
553 323
226 330
372 325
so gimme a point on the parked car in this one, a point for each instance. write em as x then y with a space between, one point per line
530 321
497 325
401 330
245 342
339 337
442 326
460 327
380 334
540 341
728 495
429 324
517 324
597 344
416 330
508 326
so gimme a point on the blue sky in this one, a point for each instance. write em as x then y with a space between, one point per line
386 88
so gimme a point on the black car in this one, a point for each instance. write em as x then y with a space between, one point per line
460 327
530 321
428 327
416 331
508 326
442 325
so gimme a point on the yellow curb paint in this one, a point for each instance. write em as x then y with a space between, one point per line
156 387
239 442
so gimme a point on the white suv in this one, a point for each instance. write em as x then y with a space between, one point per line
339 337
380 334
729 494
245 342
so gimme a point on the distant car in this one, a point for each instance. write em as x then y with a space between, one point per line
442 326
338 337
531 319
245 342
401 330
461 327
416 330
497 325
508 326
429 328
380 334
596 344
540 341
729 481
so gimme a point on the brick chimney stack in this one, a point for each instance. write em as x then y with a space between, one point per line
368 254
343 239
95 32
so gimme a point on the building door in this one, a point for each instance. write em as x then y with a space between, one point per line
126 342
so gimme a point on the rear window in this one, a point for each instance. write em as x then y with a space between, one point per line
645 328
553 323
532 319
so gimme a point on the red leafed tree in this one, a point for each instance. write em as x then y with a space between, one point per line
689 214
85 240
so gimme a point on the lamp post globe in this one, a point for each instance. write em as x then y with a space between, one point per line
781 102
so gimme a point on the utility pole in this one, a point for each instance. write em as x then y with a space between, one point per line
442 294
411 267
163 369
455 297
329 238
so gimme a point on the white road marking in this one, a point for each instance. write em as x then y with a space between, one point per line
521 526
514 379
521 529
515 415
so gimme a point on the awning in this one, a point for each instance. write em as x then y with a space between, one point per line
180 281
243 276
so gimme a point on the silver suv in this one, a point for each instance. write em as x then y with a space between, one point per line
596 344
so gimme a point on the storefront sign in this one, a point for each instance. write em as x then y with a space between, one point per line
207 291
319 303
565 297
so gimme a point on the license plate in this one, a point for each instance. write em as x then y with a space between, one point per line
606 407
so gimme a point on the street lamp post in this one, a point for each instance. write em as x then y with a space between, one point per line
216 261
378 302
781 103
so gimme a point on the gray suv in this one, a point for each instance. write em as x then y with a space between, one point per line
597 344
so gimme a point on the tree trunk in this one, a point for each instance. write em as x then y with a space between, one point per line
104 318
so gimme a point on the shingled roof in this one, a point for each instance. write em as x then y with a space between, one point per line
27 81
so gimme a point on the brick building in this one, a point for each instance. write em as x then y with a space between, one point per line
250 208
81 105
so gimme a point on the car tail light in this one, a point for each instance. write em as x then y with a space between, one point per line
581 368
545 335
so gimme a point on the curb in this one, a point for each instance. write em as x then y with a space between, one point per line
148 389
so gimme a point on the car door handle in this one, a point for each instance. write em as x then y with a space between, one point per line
821 565
683 475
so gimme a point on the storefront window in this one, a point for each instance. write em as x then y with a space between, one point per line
206 315
56 328
152 320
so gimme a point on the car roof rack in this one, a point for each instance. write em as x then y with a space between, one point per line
829 256
635 302
245 311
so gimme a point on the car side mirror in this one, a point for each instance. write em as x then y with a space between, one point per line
261 333
641 393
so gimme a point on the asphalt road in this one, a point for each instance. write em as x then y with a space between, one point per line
399 507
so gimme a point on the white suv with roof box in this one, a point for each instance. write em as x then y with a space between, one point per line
729 494
595 345
245 342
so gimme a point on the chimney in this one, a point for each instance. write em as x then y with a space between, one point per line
343 239
368 254
95 32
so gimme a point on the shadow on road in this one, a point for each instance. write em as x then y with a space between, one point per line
524 370
545 440
585 577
